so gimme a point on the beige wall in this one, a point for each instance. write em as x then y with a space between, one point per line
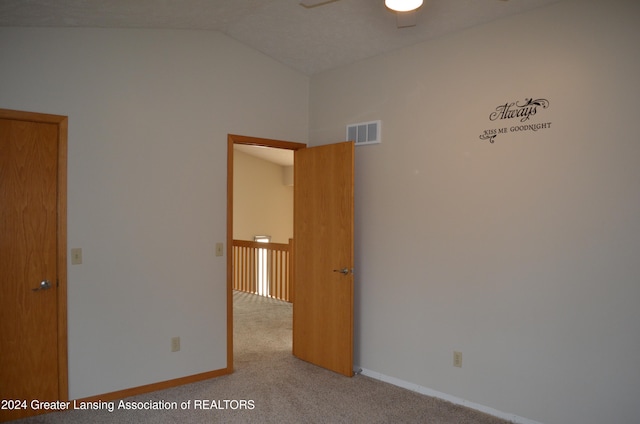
522 254
262 204
149 113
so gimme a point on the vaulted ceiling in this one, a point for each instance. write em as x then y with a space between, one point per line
310 40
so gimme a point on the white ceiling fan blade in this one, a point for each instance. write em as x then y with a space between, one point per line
406 19
314 3
403 19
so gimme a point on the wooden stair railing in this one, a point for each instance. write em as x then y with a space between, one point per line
263 268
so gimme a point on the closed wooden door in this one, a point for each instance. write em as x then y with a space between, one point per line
29 275
323 256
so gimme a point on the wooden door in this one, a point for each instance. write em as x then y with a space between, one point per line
323 256
30 355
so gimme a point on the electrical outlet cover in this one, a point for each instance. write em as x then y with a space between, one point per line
457 359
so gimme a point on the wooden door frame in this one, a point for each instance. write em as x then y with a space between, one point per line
61 246
252 141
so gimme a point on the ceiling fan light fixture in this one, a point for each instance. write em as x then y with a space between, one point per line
403 5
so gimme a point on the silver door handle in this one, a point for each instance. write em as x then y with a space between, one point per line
44 285
343 271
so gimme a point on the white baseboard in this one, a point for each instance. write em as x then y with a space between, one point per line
444 396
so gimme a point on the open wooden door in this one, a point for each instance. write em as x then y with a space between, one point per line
33 360
323 256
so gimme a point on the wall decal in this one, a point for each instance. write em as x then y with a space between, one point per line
521 112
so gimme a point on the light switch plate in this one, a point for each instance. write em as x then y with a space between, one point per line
76 256
219 249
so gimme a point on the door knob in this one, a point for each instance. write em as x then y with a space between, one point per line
44 285
343 271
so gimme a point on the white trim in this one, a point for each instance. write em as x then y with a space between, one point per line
444 396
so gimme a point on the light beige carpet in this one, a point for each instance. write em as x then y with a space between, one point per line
269 385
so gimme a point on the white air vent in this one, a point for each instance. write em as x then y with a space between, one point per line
365 132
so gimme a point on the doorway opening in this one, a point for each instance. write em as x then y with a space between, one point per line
232 141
